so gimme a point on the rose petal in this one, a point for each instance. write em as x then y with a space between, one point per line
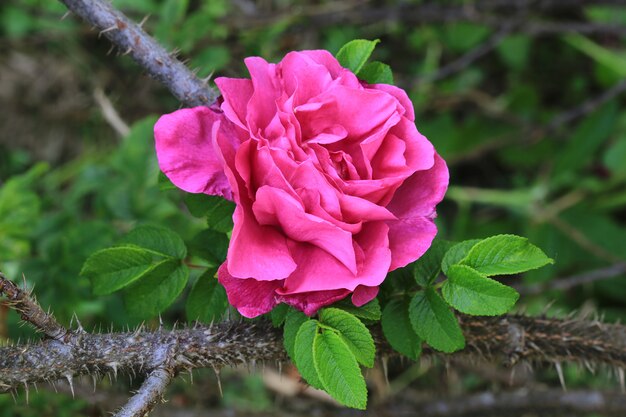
363 295
251 297
236 93
274 207
421 192
311 302
185 151
409 239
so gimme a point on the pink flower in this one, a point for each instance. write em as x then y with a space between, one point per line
334 185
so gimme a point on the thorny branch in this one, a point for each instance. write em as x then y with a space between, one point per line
131 39
161 354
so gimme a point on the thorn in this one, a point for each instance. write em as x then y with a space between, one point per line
208 78
102 32
160 322
559 371
622 380
384 363
65 15
219 381
70 381
144 20
128 51
26 391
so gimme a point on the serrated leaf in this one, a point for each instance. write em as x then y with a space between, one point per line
433 322
504 255
279 314
457 253
354 54
160 240
338 370
376 73
427 268
303 353
207 300
293 321
114 268
156 290
471 292
398 330
369 311
354 333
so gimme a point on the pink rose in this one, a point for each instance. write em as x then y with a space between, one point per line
334 185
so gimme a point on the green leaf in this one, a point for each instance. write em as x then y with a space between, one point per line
207 300
158 239
456 253
398 330
164 183
114 268
279 314
376 73
338 370
369 311
156 290
433 322
471 292
354 54
303 353
210 245
427 268
353 332
505 254
293 321
219 213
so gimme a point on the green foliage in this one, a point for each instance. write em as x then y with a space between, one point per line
352 332
338 370
369 311
427 268
503 255
434 322
399 331
147 264
355 54
471 292
376 73
207 300
303 352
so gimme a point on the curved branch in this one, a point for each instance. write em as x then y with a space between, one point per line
132 39
150 393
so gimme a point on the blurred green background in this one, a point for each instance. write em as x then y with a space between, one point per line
523 100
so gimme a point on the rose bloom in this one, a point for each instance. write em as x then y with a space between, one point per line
333 184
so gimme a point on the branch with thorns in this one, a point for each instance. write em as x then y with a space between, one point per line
161 354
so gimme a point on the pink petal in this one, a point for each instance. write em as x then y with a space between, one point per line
251 297
409 238
275 207
363 295
186 154
236 93
421 192
311 302
399 95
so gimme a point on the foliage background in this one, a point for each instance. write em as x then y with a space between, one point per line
524 156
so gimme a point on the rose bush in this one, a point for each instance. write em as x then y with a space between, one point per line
333 184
